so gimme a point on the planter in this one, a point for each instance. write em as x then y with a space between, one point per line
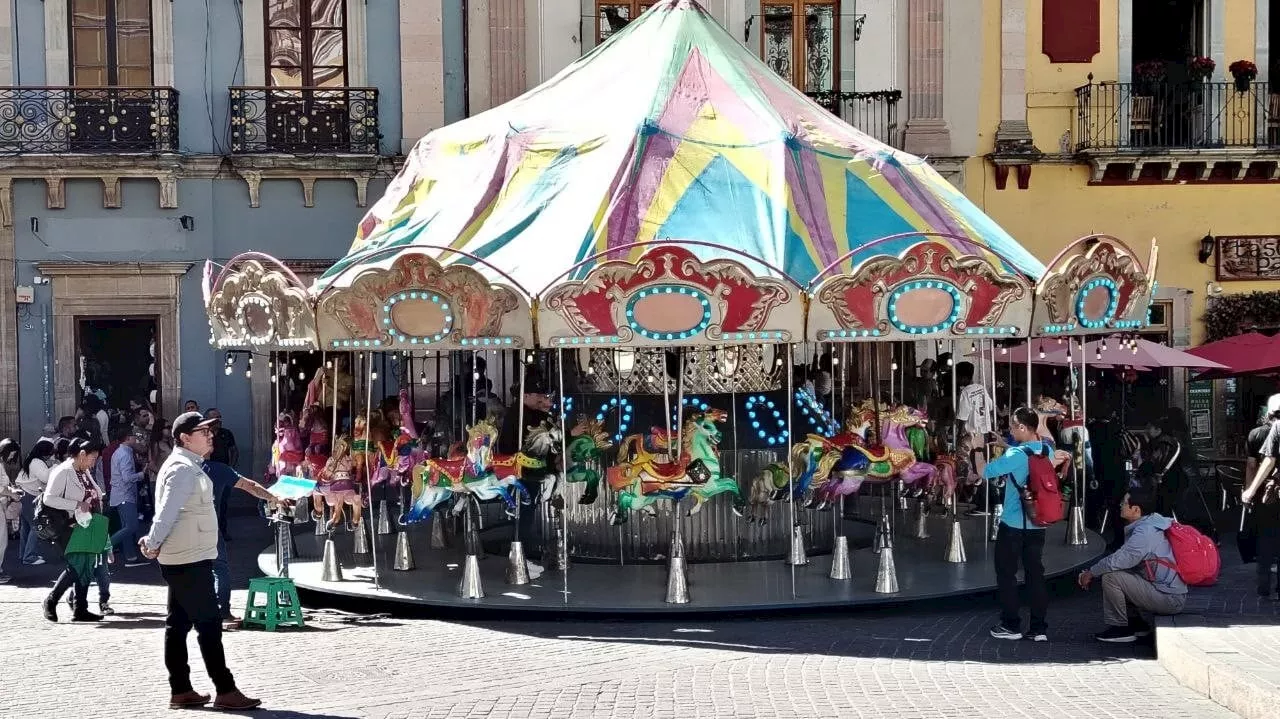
1243 82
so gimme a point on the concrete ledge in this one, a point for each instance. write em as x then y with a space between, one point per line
1212 668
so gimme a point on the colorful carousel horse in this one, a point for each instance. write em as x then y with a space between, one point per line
337 486
586 456
472 469
641 477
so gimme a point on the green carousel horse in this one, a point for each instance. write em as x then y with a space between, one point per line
586 456
640 477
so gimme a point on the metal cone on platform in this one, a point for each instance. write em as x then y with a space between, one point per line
330 570
797 557
677 582
470 587
887 571
840 567
322 525
437 531
517 567
996 514
882 534
384 518
404 553
1075 527
955 545
921 528
361 543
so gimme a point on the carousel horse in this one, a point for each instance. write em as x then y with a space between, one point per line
586 456
891 462
895 424
337 486
287 450
315 436
474 470
641 477
768 487
825 469
1047 407
542 443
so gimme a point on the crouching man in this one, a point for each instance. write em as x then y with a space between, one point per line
1140 578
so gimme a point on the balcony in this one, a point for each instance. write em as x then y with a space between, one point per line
304 120
88 119
1157 117
875 113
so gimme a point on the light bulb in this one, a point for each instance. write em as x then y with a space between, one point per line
230 359
248 373
948 361
591 369
893 366
422 379
1097 356
1004 350
328 364
1104 345
302 376
1041 353
273 379
973 347
250 360
293 360
227 370
373 374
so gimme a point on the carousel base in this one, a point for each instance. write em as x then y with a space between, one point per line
726 587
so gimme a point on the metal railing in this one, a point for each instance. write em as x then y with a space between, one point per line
1168 116
875 112
304 120
88 119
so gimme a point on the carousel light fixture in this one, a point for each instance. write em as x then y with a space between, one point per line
1041 351
766 405
625 411
443 331
813 410
953 314
1113 302
486 341
422 378
645 332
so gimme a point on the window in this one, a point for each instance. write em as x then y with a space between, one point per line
110 43
613 16
800 41
306 43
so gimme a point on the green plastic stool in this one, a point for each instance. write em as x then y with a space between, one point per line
281 607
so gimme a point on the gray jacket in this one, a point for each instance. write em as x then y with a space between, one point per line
1144 542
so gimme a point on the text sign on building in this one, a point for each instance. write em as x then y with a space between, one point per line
1248 257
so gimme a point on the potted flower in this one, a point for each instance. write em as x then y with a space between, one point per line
1199 68
1244 72
1146 75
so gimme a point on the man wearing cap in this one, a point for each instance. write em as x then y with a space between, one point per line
184 537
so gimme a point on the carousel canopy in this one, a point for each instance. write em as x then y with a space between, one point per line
669 131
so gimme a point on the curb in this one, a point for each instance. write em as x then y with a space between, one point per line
1211 674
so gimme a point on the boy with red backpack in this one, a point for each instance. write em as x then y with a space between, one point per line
1144 576
1028 477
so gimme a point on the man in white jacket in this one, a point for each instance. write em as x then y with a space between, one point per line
184 537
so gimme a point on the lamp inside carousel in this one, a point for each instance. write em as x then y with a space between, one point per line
694 346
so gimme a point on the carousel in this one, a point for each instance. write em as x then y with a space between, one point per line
694 346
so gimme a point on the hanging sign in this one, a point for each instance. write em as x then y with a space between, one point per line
1248 257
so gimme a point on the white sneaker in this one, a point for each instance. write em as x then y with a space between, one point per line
35 562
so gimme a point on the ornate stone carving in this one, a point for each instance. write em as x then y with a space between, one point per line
111 191
55 191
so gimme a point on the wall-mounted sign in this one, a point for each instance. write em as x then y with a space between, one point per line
1248 257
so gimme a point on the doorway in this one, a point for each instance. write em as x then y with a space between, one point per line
116 358
1169 31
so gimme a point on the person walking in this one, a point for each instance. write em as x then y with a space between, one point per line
1262 496
184 538
125 476
225 478
72 490
1017 540
10 497
32 479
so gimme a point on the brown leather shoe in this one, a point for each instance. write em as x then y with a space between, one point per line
188 700
235 701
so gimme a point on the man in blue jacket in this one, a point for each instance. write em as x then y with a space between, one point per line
1140 577
1017 540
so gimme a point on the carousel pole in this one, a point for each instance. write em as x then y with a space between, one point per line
561 528
517 568
1075 527
797 537
955 544
677 580
887 570
841 568
363 526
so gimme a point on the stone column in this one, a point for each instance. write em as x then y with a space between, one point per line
1013 135
927 132
421 69
8 316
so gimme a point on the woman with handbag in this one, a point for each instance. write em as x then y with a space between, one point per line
33 478
1261 497
10 497
70 515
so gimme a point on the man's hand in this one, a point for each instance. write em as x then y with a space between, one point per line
1246 497
146 551
1085 579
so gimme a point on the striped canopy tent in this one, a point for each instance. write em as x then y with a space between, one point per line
671 133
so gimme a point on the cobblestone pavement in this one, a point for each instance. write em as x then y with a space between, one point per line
935 660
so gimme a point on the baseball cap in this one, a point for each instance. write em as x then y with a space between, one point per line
188 422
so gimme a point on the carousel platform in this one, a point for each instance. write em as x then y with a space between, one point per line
640 589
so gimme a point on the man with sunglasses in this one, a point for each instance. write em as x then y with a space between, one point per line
184 537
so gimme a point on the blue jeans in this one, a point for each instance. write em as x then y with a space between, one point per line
28 542
222 579
102 575
127 536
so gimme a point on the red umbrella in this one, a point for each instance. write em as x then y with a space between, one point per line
1141 354
1250 353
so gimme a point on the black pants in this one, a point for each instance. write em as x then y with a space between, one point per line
69 580
193 603
1268 519
1025 546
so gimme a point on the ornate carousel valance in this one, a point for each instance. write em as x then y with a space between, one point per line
1094 286
666 298
929 291
416 303
257 303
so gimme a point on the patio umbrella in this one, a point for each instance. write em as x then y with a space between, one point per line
1142 355
1245 354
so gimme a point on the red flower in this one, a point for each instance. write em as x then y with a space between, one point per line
1200 66
1243 68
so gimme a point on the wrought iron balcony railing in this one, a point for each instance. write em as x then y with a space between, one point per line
304 120
88 119
875 112
1154 116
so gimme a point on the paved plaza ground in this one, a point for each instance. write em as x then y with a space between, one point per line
931 660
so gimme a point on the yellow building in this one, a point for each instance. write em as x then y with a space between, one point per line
1103 116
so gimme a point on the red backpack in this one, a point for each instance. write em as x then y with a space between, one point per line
1042 503
1195 556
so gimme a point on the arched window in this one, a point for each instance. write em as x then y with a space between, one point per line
306 43
110 43
800 40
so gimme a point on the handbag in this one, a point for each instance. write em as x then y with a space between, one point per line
52 525
1247 536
